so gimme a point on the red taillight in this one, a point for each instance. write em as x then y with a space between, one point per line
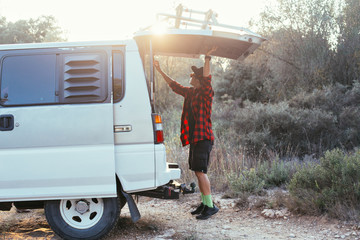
159 137
158 129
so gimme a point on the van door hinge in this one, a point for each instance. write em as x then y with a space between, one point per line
122 128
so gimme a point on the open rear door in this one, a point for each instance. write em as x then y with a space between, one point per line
191 36
192 43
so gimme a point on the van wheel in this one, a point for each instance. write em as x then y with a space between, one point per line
82 218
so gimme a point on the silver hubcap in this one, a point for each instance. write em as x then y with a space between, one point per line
82 213
82 207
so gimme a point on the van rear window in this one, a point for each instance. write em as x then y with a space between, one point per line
118 75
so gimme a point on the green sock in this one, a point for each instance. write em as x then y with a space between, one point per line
202 198
208 201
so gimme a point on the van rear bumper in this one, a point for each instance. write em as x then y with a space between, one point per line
174 170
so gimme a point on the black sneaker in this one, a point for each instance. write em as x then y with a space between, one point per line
207 212
198 210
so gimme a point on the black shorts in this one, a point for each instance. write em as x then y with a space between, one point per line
199 156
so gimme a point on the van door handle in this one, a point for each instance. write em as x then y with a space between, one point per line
6 122
122 128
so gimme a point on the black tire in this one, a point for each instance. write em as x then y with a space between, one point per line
68 227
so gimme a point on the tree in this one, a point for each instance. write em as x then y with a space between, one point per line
346 67
296 57
42 29
302 33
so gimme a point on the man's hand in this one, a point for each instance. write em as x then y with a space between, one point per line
166 77
157 65
213 49
206 71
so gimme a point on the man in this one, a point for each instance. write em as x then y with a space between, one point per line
196 128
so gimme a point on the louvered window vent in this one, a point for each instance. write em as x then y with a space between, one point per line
84 78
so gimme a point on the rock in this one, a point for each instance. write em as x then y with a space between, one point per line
268 213
226 227
292 236
324 232
279 214
168 233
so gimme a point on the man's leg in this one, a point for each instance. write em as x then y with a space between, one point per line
199 161
204 184
205 188
200 208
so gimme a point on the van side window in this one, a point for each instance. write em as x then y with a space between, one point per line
28 80
118 75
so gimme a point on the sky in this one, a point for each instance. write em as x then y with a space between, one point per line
85 20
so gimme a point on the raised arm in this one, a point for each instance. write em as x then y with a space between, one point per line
164 75
206 71
175 86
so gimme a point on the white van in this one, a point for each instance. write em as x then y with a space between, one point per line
78 130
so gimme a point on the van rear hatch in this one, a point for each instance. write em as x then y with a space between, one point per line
192 43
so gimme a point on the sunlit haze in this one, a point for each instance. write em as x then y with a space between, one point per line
84 20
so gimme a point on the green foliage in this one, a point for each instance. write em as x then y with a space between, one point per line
276 173
268 174
331 185
42 29
310 123
341 102
247 181
284 130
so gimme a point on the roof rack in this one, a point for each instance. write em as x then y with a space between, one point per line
208 21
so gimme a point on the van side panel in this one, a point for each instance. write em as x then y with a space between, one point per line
134 149
57 152
60 151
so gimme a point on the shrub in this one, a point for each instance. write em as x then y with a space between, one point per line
246 182
331 186
285 130
276 173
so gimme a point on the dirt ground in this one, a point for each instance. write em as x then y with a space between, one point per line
170 219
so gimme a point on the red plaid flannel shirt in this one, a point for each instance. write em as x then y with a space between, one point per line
201 103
